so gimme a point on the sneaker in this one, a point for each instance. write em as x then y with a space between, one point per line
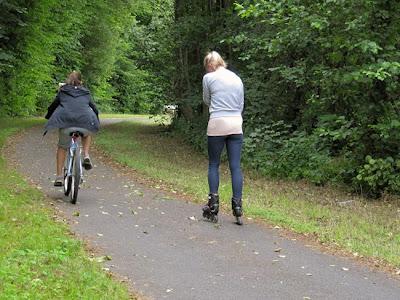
59 181
87 164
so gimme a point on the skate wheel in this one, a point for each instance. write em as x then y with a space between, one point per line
214 218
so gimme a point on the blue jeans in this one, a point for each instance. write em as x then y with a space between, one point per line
233 144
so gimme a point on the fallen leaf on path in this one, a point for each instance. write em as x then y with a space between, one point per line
192 218
103 258
100 234
282 256
345 269
169 290
308 274
278 250
105 213
76 214
398 272
137 192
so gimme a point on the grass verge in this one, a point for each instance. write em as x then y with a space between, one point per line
364 228
38 257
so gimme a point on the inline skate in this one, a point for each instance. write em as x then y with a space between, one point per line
210 211
237 210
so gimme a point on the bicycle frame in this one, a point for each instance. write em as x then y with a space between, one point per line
75 145
73 172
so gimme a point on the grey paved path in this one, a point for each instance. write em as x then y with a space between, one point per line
155 243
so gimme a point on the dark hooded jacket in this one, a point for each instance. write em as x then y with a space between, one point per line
73 107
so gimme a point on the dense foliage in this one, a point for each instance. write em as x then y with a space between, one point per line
321 77
108 41
322 84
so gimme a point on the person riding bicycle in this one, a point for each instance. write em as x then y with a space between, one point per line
72 110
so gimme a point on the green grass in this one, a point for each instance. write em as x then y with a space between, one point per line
162 119
368 228
122 116
38 257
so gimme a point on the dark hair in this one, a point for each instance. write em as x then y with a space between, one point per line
74 78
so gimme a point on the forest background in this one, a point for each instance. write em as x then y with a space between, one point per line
321 77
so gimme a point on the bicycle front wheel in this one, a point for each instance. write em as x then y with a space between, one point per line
76 176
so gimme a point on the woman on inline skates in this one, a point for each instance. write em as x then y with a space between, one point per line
223 93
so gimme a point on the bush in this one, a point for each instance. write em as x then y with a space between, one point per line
274 151
379 175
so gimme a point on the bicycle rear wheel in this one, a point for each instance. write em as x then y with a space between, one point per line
67 182
76 176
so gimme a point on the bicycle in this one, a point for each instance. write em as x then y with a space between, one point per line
73 172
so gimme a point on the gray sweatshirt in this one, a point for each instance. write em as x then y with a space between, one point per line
223 93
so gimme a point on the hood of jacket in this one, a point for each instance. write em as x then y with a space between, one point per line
74 91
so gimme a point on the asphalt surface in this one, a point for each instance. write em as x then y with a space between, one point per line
165 249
